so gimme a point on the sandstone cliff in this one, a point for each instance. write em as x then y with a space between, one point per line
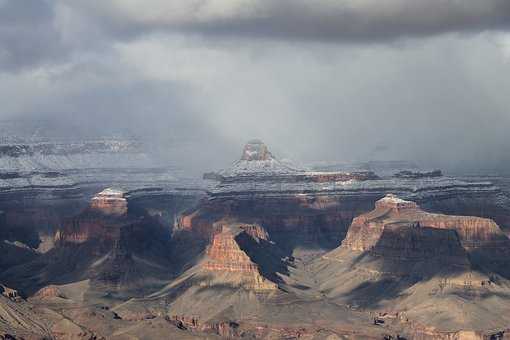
116 249
392 213
224 255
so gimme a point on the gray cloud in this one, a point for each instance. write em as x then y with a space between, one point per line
304 76
27 34
321 20
34 32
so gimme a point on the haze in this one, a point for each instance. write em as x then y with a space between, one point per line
426 81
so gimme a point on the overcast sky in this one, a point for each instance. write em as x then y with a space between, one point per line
342 80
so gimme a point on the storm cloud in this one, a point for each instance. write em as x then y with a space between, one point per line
317 80
38 30
324 20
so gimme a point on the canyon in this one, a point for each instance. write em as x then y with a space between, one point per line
263 249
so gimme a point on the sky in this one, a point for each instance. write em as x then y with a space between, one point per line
332 80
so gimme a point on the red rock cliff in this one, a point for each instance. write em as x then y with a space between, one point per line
225 256
391 213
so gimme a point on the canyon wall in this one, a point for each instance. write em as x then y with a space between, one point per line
224 255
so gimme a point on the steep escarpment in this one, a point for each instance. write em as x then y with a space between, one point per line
402 259
237 271
107 244
224 255
475 234
299 221
314 209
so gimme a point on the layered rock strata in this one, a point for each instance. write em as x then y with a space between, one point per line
114 248
224 254
393 213
302 208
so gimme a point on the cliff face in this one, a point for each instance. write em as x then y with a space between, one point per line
101 221
224 254
411 242
300 208
398 230
113 248
89 226
399 258
300 220
392 213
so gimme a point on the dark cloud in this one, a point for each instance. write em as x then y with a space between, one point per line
34 32
372 21
28 36
321 20
305 76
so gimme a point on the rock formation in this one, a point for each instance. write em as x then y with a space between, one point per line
49 292
256 150
114 248
392 213
301 208
110 202
402 259
225 255
102 220
10 293
251 257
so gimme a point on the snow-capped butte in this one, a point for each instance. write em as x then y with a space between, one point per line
257 160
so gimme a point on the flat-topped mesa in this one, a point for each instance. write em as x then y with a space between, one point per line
395 214
110 202
225 257
256 150
257 164
102 220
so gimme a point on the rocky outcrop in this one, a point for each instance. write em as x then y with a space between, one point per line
49 292
398 230
255 231
258 164
102 220
224 254
392 213
315 209
114 250
10 293
256 150
110 202
300 220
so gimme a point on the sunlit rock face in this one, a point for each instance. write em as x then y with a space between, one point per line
110 202
102 220
224 255
391 211
315 208
113 247
397 228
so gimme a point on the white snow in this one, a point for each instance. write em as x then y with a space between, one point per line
391 198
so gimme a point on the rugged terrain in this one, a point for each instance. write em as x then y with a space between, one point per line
400 259
263 249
